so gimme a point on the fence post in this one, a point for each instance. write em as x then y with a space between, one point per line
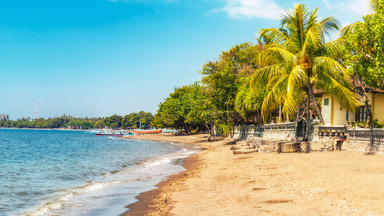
372 136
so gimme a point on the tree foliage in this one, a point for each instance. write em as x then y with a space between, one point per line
297 59
224 77
114 121
188 107
135 120
365 53
213 101
365 45
248 103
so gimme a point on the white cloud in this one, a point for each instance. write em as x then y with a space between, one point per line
360 7
249 9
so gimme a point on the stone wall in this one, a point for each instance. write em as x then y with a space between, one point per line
358 139
323 138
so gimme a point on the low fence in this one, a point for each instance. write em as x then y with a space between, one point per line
281 126
244 131
331 131
374 136
271 130
290 130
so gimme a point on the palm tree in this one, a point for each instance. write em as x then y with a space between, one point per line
297 59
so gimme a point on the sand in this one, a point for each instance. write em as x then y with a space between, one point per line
219 183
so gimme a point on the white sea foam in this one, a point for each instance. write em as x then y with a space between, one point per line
142 176
49 207
158 162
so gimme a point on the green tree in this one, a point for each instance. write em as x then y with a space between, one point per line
172 112
130 120
201 112
223 79
188 107
114 121
248 103
99 124
365 56
145 119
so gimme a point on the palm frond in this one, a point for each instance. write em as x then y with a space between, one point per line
262 76
292 101
344 95
347 29
277 53
334 49
312 19
313 40
296 81
295 21
274 97
275 36
329 24
331 67
296 78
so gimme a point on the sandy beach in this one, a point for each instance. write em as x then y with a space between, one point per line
217 182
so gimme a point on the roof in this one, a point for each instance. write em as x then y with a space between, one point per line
320 92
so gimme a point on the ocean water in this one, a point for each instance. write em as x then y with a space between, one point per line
73 173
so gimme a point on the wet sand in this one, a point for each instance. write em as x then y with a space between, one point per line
219 183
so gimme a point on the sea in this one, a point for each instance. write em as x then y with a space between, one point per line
50 172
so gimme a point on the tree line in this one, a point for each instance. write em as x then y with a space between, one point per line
133 120
276 78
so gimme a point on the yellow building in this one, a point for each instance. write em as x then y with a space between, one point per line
334 114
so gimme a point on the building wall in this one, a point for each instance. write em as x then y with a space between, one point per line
334 114
378 112
340 113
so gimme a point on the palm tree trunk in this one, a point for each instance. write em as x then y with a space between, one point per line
306 136
308 107
298 112
310 90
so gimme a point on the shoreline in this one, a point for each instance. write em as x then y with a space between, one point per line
157 201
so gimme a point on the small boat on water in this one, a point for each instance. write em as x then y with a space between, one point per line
109 134
147 131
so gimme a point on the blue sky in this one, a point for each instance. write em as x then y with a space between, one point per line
102 57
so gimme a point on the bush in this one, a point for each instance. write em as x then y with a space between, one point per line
376 124
225 129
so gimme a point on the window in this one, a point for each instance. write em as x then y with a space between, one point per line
326 101
347 115
361 114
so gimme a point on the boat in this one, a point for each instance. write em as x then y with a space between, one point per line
128 134
95 131
170 131
147 131
109 134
